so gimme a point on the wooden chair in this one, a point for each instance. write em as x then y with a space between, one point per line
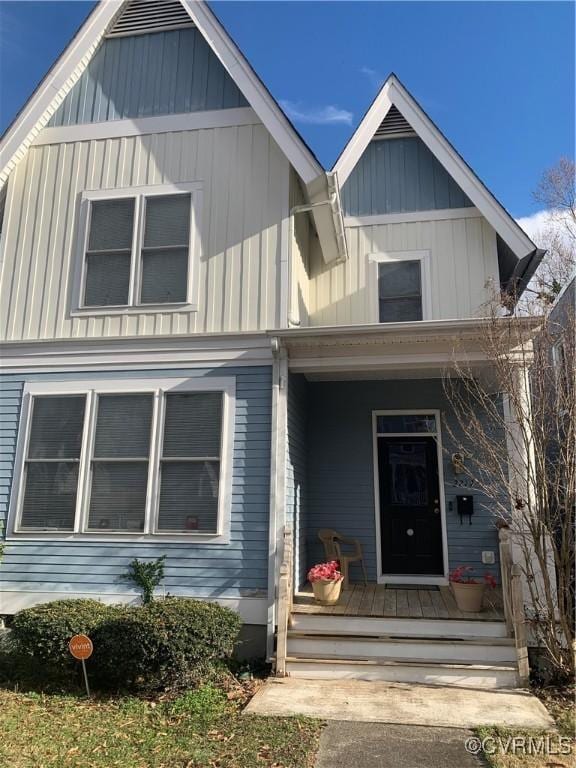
333 541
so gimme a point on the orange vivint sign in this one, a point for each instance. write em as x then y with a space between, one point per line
81 647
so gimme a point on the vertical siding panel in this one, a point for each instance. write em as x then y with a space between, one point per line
13 218
396 175
461 269
42 245
24 265
245 206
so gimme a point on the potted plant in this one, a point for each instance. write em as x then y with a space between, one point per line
326 581
469 591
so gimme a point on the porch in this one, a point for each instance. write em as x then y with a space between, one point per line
370 453
387 601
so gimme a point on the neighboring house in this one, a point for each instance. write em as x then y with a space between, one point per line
209 341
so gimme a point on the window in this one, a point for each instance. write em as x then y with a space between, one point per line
52 463
142 458
399 291
403 286
137 248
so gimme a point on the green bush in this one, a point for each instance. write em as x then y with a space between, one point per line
45 630
168 644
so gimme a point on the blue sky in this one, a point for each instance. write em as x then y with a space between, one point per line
496 77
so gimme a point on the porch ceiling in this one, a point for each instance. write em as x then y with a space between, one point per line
396 350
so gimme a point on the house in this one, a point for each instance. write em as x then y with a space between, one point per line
212 348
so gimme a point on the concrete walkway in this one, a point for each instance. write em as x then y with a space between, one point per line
400 703
366 745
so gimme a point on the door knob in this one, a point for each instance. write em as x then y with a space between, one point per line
436 510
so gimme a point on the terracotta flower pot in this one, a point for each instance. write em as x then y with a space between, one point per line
468 596
327 592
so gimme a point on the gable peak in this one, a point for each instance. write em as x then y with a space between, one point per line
394 125
141 17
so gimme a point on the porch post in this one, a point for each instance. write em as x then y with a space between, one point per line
523 485
277 484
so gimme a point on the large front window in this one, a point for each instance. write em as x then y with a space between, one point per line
112 459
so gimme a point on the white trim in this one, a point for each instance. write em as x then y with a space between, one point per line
423 257
440 214
140 126
135 353
139 195
393 92
74 60
251 609
437 435
158 387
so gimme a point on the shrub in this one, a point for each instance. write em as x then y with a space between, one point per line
147 576
44 630
171 643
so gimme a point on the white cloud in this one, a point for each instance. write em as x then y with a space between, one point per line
534 224
375 77
327 115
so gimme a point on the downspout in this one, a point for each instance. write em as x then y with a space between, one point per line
307 208
277 483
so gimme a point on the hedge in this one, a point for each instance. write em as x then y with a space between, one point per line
169 644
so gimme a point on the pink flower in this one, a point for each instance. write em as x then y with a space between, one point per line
325 572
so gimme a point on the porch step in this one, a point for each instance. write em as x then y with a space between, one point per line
446 673
428 648
397 627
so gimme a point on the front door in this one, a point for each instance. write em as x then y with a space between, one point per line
410 510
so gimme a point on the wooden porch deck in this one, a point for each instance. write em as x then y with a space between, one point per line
394 602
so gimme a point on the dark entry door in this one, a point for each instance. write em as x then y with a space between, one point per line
410 517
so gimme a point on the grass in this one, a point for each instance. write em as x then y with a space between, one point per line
546 746
199 730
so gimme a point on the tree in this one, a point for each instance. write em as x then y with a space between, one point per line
517 426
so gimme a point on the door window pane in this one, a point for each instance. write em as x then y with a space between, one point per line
119 470
52 461
190 464
399 291
406 423
409 486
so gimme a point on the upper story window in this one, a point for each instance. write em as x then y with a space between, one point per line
138 248
403 286
143 458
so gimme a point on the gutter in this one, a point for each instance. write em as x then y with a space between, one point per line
416 327
523 272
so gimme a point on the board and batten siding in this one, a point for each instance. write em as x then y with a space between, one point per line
162 73
341 470
300 249
400 175
235 570
463 259
244 209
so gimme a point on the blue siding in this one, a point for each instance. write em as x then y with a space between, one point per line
163 73
206 570
296 470
341 473
400 175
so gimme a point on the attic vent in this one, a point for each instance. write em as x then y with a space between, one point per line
394 125
140 17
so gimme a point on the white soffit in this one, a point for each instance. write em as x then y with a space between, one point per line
394 93
75 58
